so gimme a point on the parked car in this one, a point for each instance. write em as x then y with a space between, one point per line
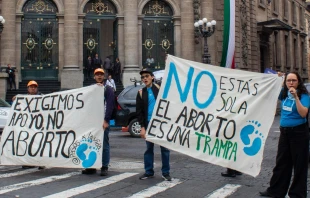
4 113
126 114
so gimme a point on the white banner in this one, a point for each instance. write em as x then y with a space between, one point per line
215 114
62 129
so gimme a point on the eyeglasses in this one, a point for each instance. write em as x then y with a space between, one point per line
145 76
291 80
99 74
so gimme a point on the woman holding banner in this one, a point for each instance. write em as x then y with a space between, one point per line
293 142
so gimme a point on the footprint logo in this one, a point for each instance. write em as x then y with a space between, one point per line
251 148
82 149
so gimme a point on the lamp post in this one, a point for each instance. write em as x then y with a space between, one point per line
206 29
2 21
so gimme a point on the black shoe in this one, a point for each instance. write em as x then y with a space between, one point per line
104 171
265 194
238 173
41 167
166 177
145 176
228 174
89 171
27 167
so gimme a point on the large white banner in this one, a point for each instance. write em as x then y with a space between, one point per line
62 129
215 114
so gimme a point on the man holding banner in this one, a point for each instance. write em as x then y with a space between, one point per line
108 105
32 88
145 100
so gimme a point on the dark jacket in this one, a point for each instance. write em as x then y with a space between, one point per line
142 105
97 62
117 68
89 65
107 64
109 99
10 72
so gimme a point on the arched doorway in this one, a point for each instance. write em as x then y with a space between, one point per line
157 34
100 30
39 40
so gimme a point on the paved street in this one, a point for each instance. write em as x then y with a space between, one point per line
192 178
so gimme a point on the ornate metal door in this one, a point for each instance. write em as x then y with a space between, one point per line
39 36
91 37
96 11
157 34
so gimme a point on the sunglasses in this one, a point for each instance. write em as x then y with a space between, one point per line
145 76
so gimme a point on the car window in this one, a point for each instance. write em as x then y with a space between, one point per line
3 103
132 93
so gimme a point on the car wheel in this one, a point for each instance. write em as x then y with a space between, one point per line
134 128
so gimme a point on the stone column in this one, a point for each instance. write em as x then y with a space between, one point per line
71 75
131 68
8 35
61 44
177 36
18 76
187 28
120 32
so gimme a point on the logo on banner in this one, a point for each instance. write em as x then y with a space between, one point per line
85 151
251 147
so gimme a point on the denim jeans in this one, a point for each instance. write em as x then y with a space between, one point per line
149 159
106 148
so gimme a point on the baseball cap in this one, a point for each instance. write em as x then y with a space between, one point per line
99 70
146 70
32 82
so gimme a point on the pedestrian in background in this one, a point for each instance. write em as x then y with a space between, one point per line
117 70
145 100
89 67
11 78
111 82
107 65
108 105
97 61
293 145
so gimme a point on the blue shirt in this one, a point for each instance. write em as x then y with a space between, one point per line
289 114
151 103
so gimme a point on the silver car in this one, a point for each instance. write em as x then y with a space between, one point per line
4 113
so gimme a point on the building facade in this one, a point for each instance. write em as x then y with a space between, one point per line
51 39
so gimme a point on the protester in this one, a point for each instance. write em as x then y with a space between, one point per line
145 101
11 78
108 105
32 88
89 67
293 142
111 82
117 70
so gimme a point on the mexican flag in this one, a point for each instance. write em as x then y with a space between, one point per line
228 55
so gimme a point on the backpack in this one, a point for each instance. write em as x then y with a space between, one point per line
140 91
113 116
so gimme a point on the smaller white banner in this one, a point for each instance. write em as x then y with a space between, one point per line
62 129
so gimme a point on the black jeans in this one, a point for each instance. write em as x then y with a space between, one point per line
292 156
11 81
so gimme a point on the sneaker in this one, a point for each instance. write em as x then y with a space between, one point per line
145 176
104 171
89 171
166 177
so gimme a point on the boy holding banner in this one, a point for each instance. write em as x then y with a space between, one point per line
109 105
146 99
